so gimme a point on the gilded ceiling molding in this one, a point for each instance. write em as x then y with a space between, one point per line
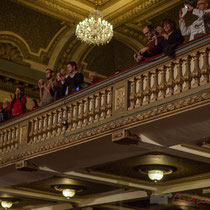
15 40
133 12
64 10
42 56
163 6
12 53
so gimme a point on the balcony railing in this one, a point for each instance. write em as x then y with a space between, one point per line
148 91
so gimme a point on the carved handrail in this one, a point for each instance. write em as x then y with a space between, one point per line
92 112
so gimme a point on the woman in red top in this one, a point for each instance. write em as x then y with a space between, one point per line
18 103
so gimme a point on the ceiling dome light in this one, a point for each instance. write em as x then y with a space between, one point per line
155 175
155 172
68 190
6 204
68 193
94 30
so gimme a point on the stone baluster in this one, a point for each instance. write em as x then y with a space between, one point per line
178 75
64 117
31 128
36 127
10 138
91 109
154 85
70 117
59 121
17 133
186 73
132 87
44 128
109 103
97 107
139 91
103 103
170 79
146 88
161 83
85 112
195 71
75 115
13 134
80 113
203 65
49 124
40 124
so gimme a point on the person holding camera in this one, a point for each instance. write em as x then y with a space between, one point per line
201 25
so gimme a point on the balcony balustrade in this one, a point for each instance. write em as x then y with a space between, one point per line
154 89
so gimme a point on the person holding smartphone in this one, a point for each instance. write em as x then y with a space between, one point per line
199 26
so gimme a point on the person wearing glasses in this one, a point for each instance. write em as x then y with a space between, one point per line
201 25
150 49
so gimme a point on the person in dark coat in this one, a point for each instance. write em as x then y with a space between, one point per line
172 37
75 80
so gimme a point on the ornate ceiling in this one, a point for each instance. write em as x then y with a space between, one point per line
45 32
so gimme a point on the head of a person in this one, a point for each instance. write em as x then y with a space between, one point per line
34 104
5 103
72 67
148 31
202 4
159 30
63 72
19 92
49 73
41 82
168 25
92 76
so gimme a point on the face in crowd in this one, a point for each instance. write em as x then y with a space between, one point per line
202 5
48 74
5 103
70 68
167 27
18 92
33 104
147 33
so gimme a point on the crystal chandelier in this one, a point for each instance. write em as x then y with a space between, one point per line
94 30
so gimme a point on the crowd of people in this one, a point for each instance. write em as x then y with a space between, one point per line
55 87
164 38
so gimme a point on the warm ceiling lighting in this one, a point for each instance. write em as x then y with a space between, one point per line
6 204
94 30
155 172
155 175
68 190
68 193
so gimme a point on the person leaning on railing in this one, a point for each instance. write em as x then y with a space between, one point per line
172 37
150 49
17 104
199 26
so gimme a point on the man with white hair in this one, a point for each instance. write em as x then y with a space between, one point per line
4 113
199 26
